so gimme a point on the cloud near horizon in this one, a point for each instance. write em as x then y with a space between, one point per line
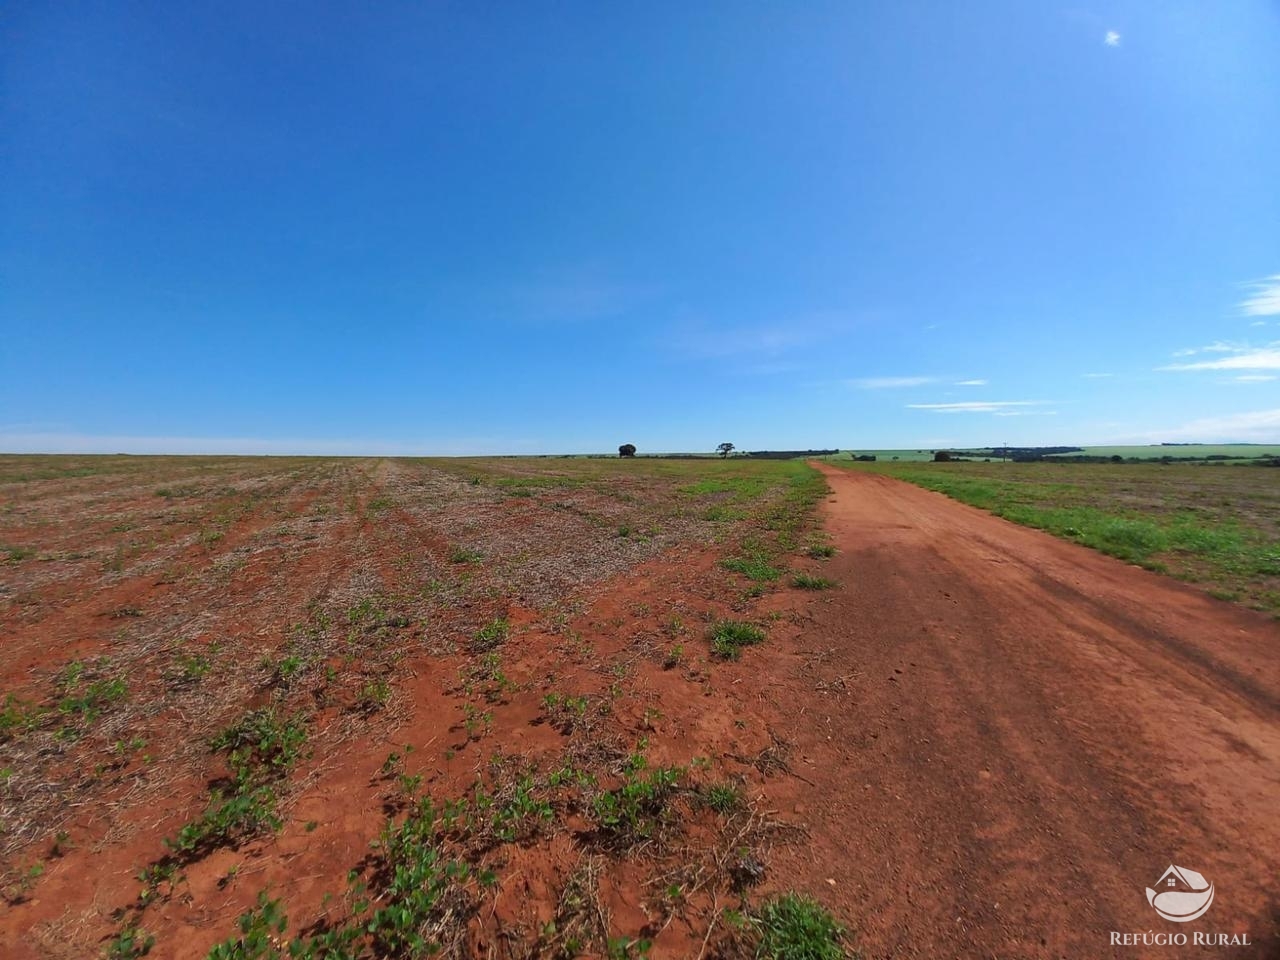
1241 357
998 407
1257 426
890 383
893 383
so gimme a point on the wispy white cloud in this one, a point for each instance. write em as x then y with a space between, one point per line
978 406
1240 357
971 383
1112 39
1264 300
1096 376
1254 378
1257 426
890 383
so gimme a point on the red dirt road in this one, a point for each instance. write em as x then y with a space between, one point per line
1013 736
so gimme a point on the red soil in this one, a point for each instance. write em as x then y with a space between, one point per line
983 742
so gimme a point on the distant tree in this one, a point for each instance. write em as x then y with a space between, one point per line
725 449
942 456
627 450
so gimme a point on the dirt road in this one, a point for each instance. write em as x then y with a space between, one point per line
1013 736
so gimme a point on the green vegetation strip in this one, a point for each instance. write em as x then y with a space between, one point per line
1219 526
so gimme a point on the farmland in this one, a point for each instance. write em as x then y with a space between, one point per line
570 707
1189 451
246 698
1218 526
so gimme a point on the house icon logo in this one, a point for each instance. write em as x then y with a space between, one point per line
1181 895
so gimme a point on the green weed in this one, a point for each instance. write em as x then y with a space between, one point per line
491 636
807 581
755 567
794 927
728 637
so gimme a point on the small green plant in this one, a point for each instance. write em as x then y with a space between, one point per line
487 675
625 948
229 816
408 784
473 720
193 667
728 637
460 554
794 927
365 612
755 567
84 704
130 943
20 890
164 872
404 904
261 747
491 636
674 657
519 815
637 808
261 928
564 712
17 554
262 740
17 716
725 798
373 696
285 669
821 551
807 581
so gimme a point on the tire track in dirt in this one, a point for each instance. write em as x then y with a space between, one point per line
1027 735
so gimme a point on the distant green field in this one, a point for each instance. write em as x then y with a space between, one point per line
910 456
1235 451
1216 526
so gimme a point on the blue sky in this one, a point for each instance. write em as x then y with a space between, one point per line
516 228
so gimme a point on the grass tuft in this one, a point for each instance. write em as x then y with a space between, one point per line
794 927
807 581
728 637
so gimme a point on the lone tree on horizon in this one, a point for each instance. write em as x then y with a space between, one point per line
627 450
725 449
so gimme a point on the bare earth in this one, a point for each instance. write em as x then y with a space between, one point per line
983 742
1026 735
